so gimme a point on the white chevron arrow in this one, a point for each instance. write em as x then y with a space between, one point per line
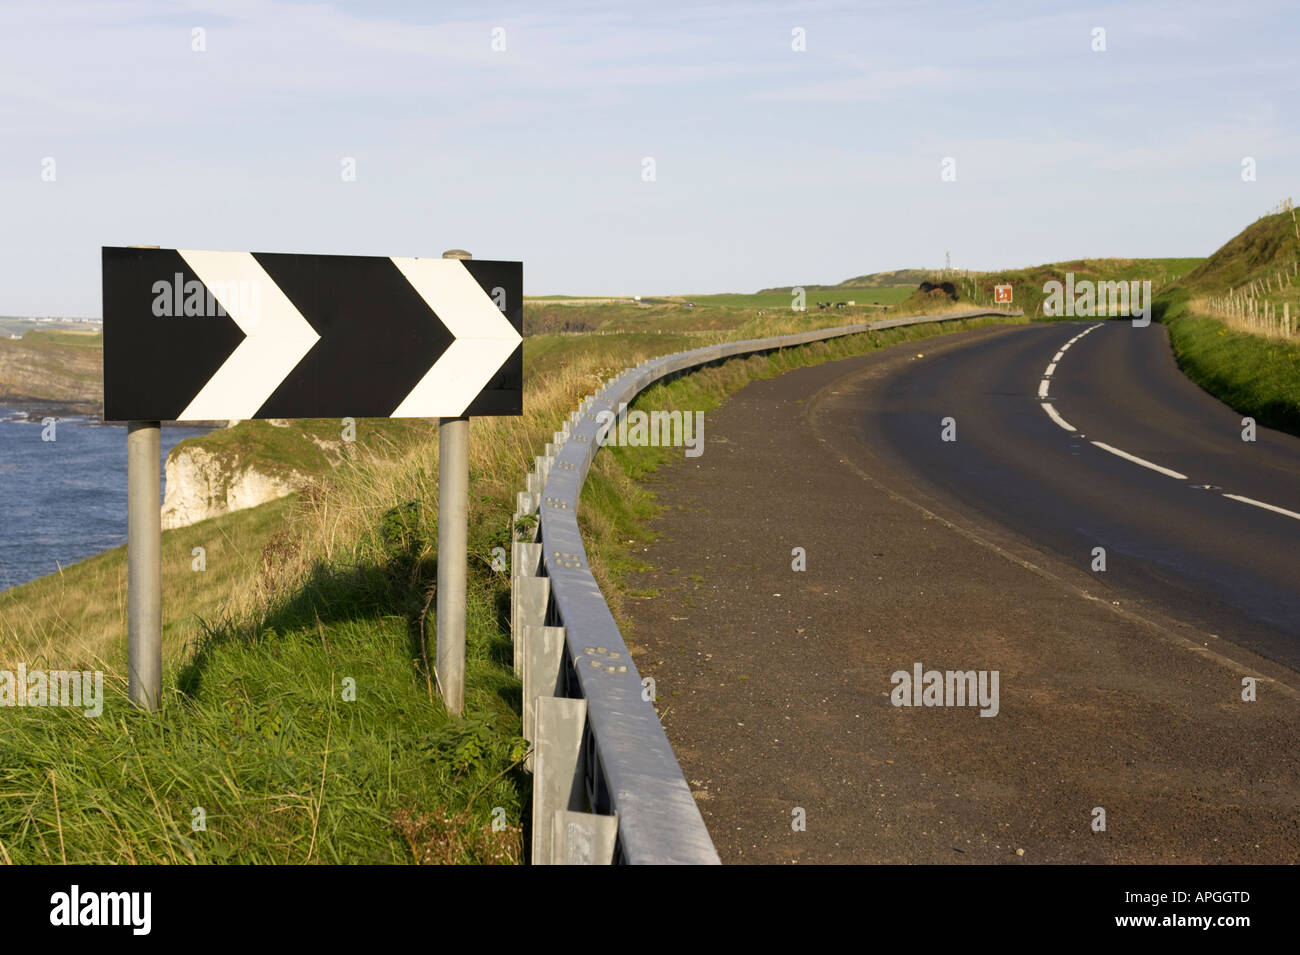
278 336
484 338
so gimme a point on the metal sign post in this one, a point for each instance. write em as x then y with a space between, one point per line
144 563
453 547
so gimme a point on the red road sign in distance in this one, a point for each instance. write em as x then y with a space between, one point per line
1002 294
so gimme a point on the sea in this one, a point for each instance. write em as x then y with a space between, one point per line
62 490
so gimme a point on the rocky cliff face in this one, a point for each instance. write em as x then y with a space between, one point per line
201 484
251 462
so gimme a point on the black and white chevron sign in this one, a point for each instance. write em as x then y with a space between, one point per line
206 336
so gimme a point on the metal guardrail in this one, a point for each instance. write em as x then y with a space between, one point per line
619 763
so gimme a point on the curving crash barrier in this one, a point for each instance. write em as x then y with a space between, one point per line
606 785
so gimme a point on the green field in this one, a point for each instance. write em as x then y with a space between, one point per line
883 296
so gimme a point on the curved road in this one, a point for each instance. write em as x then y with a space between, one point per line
1226 565
1119 690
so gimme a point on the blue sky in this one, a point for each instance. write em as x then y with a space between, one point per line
772 167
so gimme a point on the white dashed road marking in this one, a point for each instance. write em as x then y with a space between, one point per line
1142 461
1168 472
1267 507
1051 370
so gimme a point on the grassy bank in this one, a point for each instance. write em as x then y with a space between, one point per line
1255 375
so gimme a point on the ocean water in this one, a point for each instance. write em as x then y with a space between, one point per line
62 500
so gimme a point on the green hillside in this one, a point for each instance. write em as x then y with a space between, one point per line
1249 362
1256 254
909 278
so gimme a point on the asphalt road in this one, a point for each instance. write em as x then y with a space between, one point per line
1119 690
1229 566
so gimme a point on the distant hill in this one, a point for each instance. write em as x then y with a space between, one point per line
1258 252
910 277
887 279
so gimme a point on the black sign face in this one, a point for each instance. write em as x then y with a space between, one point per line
209 336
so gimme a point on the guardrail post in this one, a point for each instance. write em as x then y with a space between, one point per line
543 664
528 609
583 838
558 778
525 562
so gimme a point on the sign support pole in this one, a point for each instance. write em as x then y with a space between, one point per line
453 546
144 561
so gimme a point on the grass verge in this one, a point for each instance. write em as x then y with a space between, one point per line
1254 375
